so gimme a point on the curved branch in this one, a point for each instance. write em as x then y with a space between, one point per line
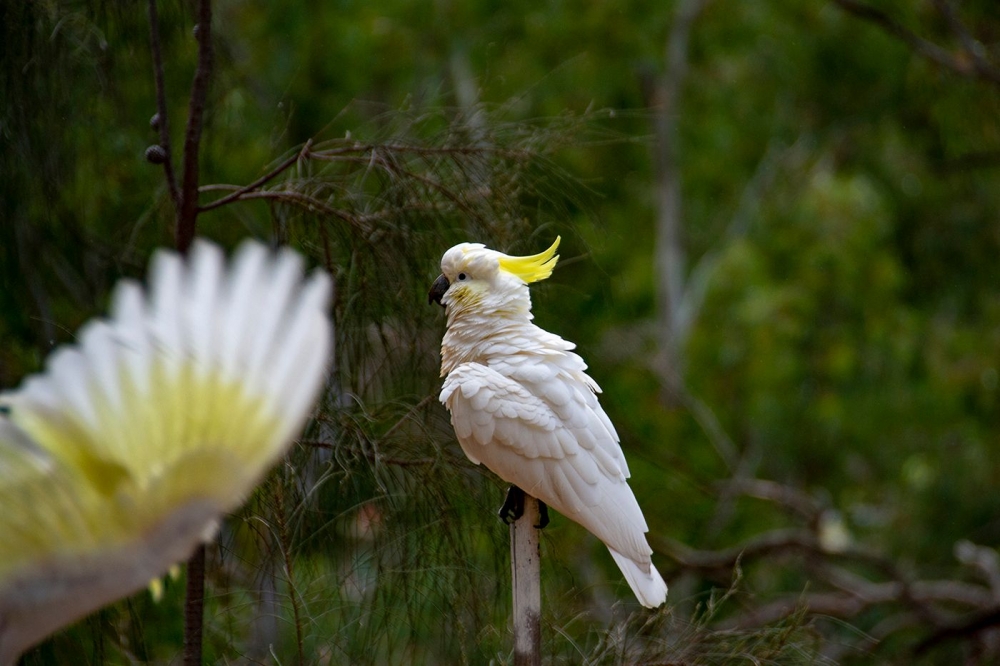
977 67
161 102
260 182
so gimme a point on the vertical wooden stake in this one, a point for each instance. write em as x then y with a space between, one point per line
525 559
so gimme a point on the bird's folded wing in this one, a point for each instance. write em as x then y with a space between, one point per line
554 447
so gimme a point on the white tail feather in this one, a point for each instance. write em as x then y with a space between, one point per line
649 587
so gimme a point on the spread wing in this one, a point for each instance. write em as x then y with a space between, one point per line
119 458
545 432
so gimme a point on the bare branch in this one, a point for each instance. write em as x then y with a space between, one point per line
187 214
973 47
309 203
161 102
969 628
194 607
977 67
983 560
263 180
710 424
775 541
670 257
798 500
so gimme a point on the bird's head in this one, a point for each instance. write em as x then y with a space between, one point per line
473 275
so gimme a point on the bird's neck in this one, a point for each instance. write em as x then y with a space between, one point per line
477 337
488 332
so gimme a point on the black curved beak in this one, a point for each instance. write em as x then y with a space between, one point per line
437 290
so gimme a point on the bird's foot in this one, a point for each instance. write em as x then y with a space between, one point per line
513 505
513 508
543 515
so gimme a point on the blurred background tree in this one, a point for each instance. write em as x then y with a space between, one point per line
780 259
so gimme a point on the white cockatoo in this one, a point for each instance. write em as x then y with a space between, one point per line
119 459
522 404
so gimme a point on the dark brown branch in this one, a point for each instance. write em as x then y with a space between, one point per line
186 220
305 201
260 182
985 159
725 560
919 45
967 629
188 211
972 46
194 607
161 102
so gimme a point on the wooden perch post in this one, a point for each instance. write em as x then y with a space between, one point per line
525 559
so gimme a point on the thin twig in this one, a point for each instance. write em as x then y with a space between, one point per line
263 180
397 170
973 47
161 102
711 426
303 201
374 456
286 555
919 45
362 148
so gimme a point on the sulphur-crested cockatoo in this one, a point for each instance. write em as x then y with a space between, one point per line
119 459
522 404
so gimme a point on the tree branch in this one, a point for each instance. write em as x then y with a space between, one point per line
670 256
187 214
973 47
194 607
263 180
305 201
161 103
970 628
977 67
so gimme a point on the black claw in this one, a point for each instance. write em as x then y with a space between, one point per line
513 508
513 505
543 515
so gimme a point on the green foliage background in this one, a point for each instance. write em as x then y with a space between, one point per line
849 341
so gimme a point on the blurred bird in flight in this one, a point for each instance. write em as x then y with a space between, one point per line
119 459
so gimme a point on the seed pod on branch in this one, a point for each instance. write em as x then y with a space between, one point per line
156 154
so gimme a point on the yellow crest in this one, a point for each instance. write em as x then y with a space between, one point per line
534 268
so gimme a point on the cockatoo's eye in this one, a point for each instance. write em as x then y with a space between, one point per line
462 277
